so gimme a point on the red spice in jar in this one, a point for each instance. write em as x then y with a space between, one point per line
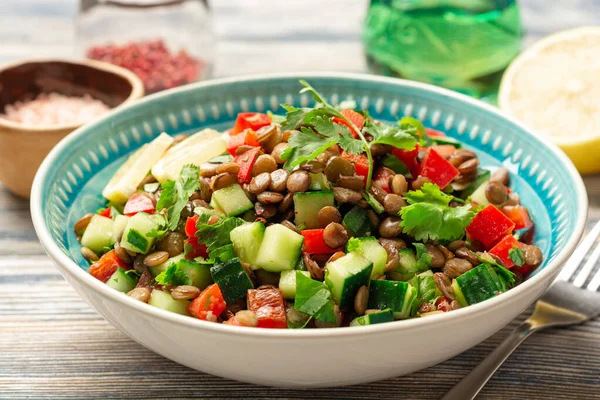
152 62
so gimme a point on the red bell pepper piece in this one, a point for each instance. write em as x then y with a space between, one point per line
250 120
208 305
269 307
247 137
246 162
138 202
382 178
489 226
408 157
438 169
190 225
105 212
444 150
434 133
193 249
503 248
442 303
361 164
518 215
106 266
356 118
314 243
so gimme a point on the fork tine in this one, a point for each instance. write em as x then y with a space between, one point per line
579 254
595 282
587 268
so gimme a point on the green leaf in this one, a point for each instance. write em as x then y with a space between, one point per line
173 275
516 255
372 201
305 146
276 119
309 89
413 122
325 126
175 194
501 270
428 217
353 244
216 235
132 273
423 258
314 298
223 253
394 136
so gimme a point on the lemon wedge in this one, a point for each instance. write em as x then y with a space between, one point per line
196 149
126 180
553 88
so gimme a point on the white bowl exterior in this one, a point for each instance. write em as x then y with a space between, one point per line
305 362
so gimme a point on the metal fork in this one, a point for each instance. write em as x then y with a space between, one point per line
566 302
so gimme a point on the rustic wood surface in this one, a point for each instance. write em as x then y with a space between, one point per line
54 346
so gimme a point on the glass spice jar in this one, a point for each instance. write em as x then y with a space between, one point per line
167 43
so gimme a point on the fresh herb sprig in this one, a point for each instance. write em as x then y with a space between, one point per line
318 132
175 194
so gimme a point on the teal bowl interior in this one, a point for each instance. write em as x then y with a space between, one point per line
79 169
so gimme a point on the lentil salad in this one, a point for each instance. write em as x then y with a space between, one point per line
323 217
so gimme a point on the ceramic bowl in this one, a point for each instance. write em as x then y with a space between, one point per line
24 147
70 180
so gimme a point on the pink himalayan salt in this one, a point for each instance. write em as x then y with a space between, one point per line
54 109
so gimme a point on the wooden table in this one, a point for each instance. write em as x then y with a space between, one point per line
53 345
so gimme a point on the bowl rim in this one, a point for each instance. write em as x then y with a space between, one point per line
137 90
66 264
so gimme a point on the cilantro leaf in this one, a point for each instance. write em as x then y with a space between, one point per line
305 146
423 258
428 216
354 244
325 126
517 256
217 235
223 253
507 276
294 117
394 136
175 194
314 298
174 275
429 193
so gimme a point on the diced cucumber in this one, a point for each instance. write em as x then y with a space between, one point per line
287 283
458 294
151 187
408 266
232 279
161 299
198 273
372 250
280 249
157 269
308 204
479 284
208 211
446 140
479 196
246 241
134 237
232 200
318 181
483 176
374 318
120 222
346 275
121 281
213 204
397 296
98 234
357 222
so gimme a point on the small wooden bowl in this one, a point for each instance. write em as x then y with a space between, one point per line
23 147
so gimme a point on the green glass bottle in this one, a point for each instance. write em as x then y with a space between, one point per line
463 45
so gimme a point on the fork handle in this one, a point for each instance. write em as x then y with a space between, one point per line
471 384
